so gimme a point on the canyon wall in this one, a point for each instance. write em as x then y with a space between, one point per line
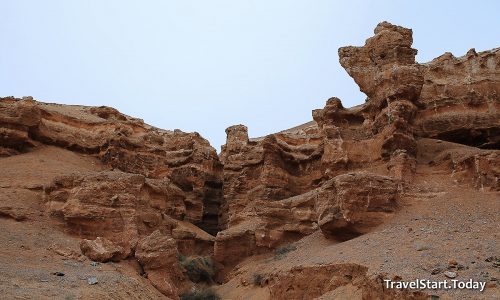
343 173
165 193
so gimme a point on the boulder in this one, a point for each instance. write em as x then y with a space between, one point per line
101 250
157 251
353 203
158 255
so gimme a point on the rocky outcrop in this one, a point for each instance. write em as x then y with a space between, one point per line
343 207
298 170
158 254
166 193
460 99
101 249
122 207
315 168
384 68
123 143
265 179
352 203
16 119
159 181
468 166
273 168
267 226
456 99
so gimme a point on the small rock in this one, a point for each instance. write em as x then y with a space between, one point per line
450 274
435 271
94 264
421 247
92 280
244 282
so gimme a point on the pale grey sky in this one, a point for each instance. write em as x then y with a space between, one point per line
205 65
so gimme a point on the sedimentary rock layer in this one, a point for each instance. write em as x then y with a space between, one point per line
270 183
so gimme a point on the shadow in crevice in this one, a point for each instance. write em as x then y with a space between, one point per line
488 138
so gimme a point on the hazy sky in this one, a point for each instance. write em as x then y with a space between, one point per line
205 65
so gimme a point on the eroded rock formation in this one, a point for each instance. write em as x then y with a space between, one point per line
460 99
273 177
160 194
122 142
157 254
158 180
101 250
353 203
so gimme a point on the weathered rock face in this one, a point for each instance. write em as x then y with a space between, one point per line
384 68
101 249
122 207
460 99
123 143
295 170
469 166
158 254
160 180
353 203
16 119
301 169
167 192
261 178
344 206
276 167
264 225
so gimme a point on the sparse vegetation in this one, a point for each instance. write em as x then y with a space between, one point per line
198 268
281 252
258 279
200 294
